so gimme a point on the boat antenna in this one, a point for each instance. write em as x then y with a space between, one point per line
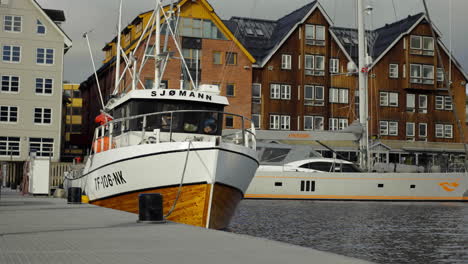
157 45
447 84
85 35
117 63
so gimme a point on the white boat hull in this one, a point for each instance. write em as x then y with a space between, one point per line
110 175
359 186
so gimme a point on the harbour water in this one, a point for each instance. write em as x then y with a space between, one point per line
381 232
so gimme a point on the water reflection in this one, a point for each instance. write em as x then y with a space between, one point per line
382 232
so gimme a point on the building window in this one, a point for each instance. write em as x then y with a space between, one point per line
199 28
422 45
422 130
256 90
448 131
315 35
388 99
217 57
313 123
42 115
40 28
314 65
229 121
282 122
286 92
443 103
10 146
11 53
393 71
422 103
285 62
334 65
10 84
388 128
45 56
337 123
44 147
44 86
8 114
443 131
428 74
423 74
280 91
275 91
12 23
440 75
338 95
231 58
230 89
314 95
274 122
256 119
410 129
410 102
285 122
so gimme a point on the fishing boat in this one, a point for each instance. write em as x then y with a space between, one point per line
170 142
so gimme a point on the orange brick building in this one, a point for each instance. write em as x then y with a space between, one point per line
212 53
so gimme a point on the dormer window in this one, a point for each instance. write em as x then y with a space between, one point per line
259 32
40 28
315 35
249 31
422 45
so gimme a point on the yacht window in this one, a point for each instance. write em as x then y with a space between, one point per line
320 166
274 154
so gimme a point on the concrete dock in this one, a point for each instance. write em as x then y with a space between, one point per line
48 230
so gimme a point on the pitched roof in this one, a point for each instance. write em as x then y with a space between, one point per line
55 15
273 32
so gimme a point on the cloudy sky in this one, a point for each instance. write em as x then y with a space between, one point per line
101 17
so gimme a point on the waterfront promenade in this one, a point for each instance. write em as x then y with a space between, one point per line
48 230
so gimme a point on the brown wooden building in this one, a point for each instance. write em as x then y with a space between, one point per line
301 80
212 53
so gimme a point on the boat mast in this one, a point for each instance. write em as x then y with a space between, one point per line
363 109
157 45
117 63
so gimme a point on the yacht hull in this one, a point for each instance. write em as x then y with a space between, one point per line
213 182
359 186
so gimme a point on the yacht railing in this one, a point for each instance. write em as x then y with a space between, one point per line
173 126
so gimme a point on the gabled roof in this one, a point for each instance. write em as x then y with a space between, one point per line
51 15
379 40
276 32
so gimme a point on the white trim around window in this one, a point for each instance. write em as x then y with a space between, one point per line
286 61
410 129
334 65
314 95
44 86
9 114
257 120
388 99
42 116
11 54
45 56
393 71
10 84
422 130
388 128
13 24
338 95
313 123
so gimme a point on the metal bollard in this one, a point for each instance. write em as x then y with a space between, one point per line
150 207
74 195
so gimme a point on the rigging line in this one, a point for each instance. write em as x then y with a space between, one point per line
447 83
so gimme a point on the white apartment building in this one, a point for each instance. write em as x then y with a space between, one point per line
32 46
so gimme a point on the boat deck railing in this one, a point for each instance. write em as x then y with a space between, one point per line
174 126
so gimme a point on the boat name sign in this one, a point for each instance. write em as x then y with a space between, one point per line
181 93
109 180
